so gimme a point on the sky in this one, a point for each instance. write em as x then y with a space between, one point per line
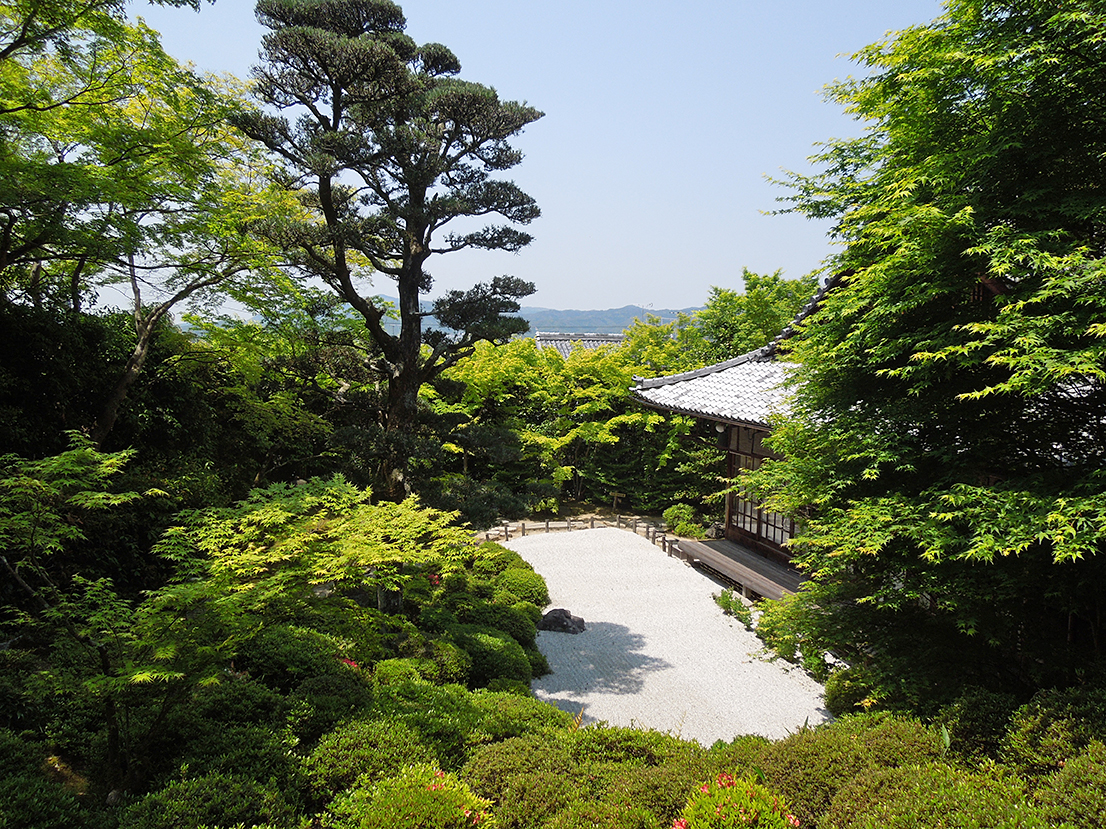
662 123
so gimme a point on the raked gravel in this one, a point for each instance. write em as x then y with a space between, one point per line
658 652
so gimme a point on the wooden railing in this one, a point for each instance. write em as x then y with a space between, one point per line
653 531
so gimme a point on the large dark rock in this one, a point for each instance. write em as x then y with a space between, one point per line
560 620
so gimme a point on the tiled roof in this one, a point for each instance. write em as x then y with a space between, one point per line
564 343
746 389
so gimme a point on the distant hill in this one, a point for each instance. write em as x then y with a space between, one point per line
610 321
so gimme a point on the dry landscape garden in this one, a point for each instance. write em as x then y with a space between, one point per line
240 580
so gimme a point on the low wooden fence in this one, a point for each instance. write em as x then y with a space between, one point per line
652 531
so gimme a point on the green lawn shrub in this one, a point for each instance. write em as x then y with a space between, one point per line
729 801
443 716
237 700
931 795
507 715
680 519
319 703
602 743
977 722
494 654
372 749
1054 727
214 801
252 752
503 617
533 798
662 790
529 608
526 584
589 814
398 671
436 619
29 801
506 597
282 656
539 665
809 767
420 797
737 756
454 662
1076 794
491 768
19 756
491 559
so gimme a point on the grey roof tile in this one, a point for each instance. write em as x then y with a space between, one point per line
564 343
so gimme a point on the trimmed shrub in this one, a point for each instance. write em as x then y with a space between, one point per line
398 671
30 801
321 702
491 768
931 795
1054 727
492 559
494 654
443 716
1076 794
18 756
368 749
420 797
539 665
435 619
530 609
454 663
526 584
662 790
282 656
589 814
241 701
214 800
512 715
977 721
518 624
729 802
535 797
738 755
603 743
251 752
809 767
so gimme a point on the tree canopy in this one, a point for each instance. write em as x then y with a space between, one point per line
950 403
388 149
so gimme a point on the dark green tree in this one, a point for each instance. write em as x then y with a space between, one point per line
388 149
947 443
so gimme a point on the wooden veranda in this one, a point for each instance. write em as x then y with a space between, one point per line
755 574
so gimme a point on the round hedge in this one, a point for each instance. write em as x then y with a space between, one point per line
1076 794
494 654
372 749
931 795
419 797
217 801
526 584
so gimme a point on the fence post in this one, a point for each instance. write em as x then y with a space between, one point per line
547 525
635 526
524 529
569 528
506 531
591 523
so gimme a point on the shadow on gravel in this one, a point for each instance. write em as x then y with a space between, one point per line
606 659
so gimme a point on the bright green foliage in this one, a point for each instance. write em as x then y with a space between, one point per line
214 800
526 584
727 803
809 767
1076 795
364 751
1053 727
951 389
421 797
735 323
932 795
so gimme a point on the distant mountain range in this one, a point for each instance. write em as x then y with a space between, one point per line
610 321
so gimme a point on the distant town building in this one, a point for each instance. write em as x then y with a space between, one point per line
564 343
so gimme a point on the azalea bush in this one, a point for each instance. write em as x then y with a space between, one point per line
421 797
731 802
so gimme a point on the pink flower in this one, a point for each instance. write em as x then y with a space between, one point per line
346 661
679 823
792 820
705 789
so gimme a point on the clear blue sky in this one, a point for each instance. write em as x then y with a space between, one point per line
662 121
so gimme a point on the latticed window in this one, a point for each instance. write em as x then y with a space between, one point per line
749 522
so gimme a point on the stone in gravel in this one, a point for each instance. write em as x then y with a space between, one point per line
560 620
